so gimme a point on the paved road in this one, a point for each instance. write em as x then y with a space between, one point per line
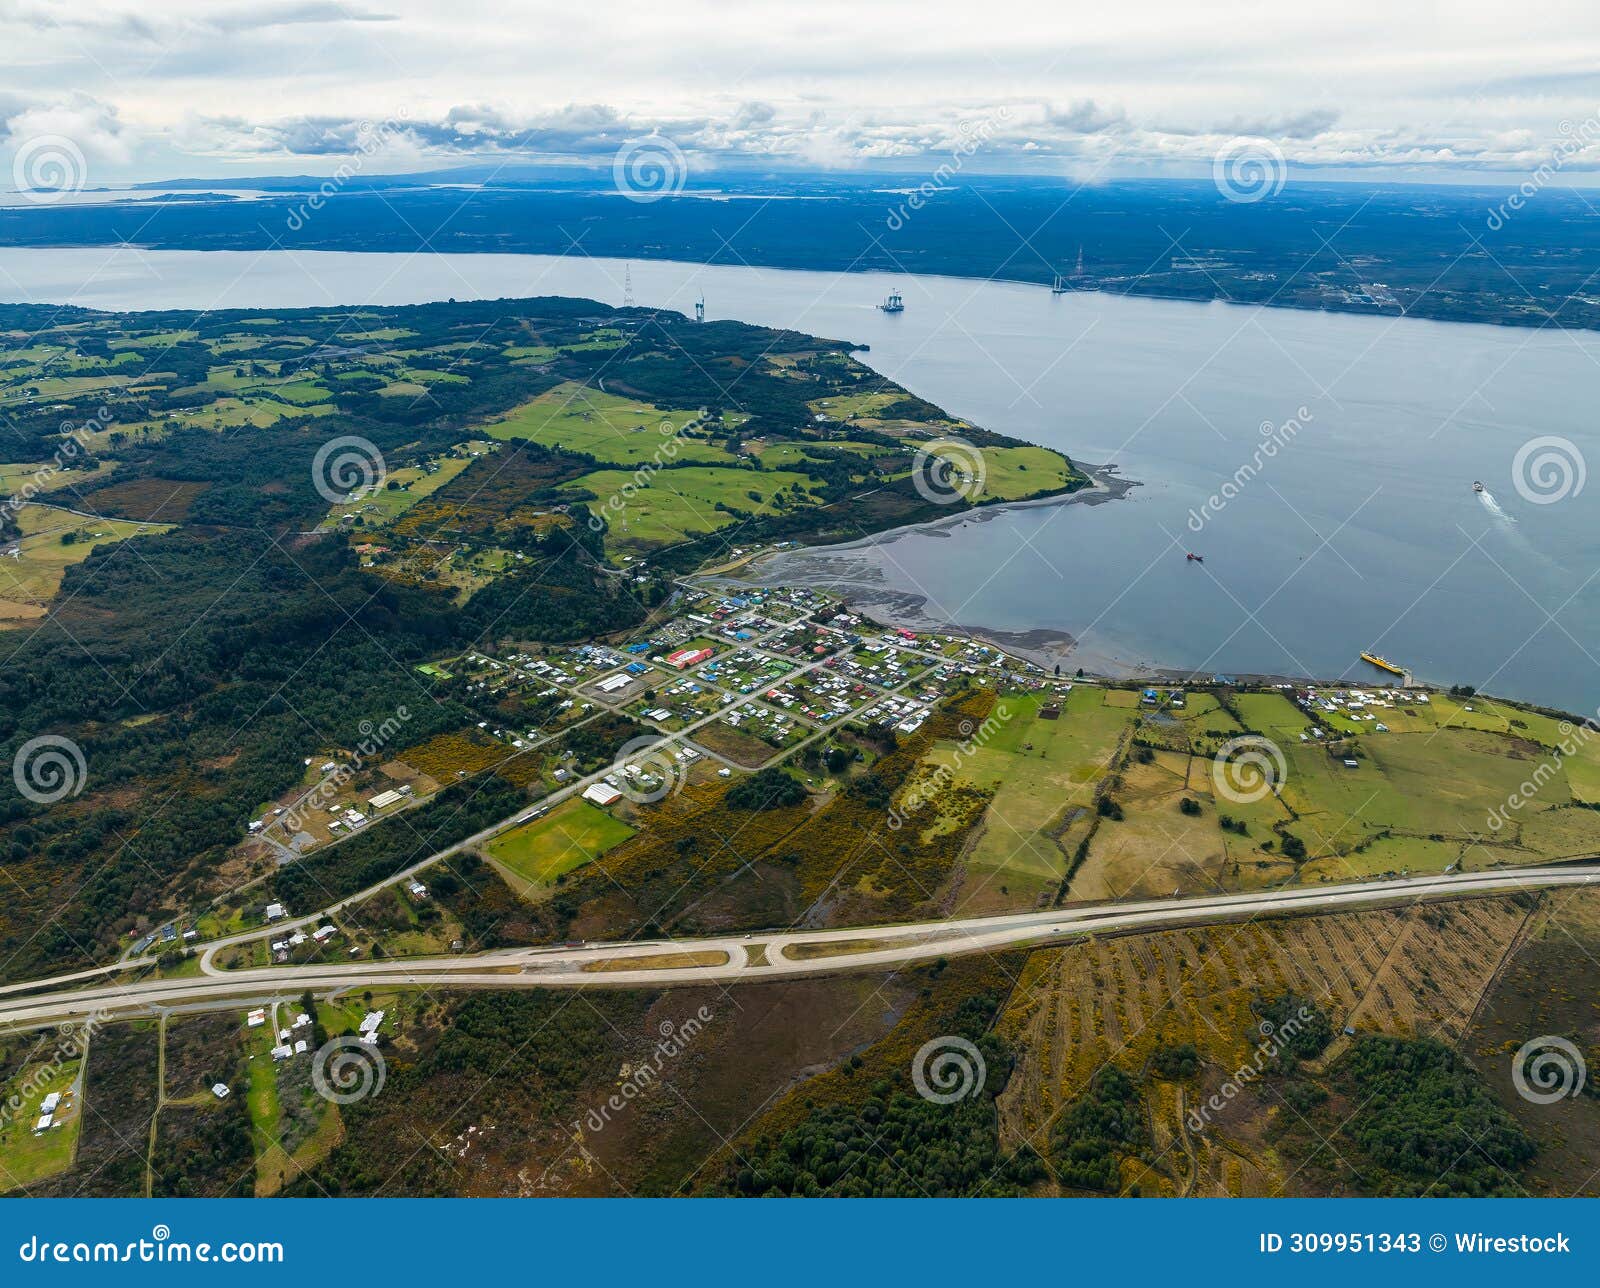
733 959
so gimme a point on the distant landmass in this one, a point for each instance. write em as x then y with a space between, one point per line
1445 253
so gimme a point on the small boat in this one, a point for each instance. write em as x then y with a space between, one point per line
894 304
1194 558
1479 487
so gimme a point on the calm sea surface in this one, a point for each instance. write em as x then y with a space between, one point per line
1360 530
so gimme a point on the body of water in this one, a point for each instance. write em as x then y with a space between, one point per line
1348 446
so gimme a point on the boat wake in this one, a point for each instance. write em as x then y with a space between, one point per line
1493 507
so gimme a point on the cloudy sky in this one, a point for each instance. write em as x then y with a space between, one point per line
1411 91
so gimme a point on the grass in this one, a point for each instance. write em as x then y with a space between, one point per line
612 429
30 580
539 851
668 506
1014 472
24 1157
1039 769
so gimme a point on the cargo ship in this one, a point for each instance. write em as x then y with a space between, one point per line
1382 663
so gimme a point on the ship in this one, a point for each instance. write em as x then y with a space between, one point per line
894 304
1478 487
1194 558
1382 663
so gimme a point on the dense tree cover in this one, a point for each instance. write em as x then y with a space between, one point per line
1096 1131
517 1059
1427 1123
889 1141
1297 1028
769 788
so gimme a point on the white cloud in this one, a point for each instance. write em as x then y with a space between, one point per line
1150 87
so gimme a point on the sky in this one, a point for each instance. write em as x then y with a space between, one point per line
1147 88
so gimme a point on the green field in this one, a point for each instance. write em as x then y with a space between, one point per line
605 427
24 1157
29 581
1039 769
572 834
1013 472
668 505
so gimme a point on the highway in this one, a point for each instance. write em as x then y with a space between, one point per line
756 957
